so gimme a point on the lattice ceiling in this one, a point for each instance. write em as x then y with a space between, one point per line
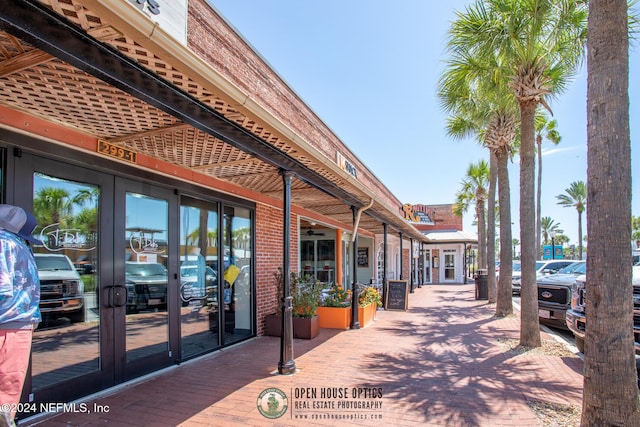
39 84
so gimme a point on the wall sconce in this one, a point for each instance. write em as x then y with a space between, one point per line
436 262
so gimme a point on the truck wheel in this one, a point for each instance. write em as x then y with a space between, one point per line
580 344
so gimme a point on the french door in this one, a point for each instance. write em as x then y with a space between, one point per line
102 324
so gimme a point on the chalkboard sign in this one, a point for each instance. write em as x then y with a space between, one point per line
396 295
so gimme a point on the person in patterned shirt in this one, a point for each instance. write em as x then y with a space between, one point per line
19 304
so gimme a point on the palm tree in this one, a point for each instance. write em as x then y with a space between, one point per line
52 206
545 129
547 225
540 45
474 189
575 196
483 107
610 394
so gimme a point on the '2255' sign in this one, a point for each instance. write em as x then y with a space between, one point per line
151 5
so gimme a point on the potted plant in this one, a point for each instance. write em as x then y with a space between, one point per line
306 299
335 310
369 300
306 293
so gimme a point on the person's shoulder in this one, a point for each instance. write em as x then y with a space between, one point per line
7 236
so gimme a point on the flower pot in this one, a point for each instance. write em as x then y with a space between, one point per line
272 325
335 317
303 327
366 314
306 328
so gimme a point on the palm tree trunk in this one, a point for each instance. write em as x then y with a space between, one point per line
504 304
482 235
538 195
580 234
529 322
491 227
610 394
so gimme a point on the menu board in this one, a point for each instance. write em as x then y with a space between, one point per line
396 295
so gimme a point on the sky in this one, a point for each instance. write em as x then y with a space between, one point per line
369 69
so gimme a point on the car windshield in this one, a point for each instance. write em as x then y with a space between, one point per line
144 269
52 263
575 268
516 266
539 265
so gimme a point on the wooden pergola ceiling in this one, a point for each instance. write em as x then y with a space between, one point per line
42 85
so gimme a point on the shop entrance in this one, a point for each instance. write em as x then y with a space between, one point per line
107 279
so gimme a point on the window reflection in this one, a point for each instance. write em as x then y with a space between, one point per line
198 277
146 275
66 343
237 274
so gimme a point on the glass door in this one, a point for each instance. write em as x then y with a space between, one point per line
145 290
449 265
72 352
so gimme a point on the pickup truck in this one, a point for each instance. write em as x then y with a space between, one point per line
576 320
554 294
61 288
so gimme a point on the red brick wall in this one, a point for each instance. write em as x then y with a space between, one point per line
269 258
442 216
406 264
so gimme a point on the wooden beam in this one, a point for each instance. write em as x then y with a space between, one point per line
24 61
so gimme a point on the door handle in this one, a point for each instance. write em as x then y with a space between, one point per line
117 296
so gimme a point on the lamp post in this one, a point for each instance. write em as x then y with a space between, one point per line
552 233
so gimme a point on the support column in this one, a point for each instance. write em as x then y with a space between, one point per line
338 257
411 276
286 365
422 277
384 263
355 321
401 257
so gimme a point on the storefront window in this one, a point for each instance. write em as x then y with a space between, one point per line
146 275
318 259
198 277
66 343
238 293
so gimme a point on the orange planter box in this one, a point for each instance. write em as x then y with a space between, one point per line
334 317
366 314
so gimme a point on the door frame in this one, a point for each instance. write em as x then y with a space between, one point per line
20 186
127 370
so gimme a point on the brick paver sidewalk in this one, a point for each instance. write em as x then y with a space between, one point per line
444 362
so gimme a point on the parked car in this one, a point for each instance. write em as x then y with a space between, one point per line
146 286
61 288
554 294
577 321
192 292
542 267
515 273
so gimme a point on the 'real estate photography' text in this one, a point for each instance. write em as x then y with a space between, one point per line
322 403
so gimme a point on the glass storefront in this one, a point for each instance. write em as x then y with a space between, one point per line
134 277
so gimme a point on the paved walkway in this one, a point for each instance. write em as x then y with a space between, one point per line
445 362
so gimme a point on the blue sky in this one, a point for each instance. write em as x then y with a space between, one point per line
369 70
